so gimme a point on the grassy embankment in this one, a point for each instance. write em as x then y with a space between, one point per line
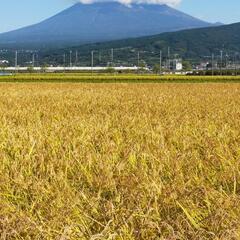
106 78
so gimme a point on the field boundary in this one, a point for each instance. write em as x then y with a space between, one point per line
71 78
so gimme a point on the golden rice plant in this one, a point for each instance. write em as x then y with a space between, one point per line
119 161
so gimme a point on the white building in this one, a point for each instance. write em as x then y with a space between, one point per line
3 62
176 65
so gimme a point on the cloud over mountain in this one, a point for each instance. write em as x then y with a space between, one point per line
129 2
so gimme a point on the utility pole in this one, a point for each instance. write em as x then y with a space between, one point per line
212 64
100 57
160 62
33 60
16 59
169 67
226 64
37 60
138 59
76 58
64 62
64 59
112 57
235 63
221 62
70 59
92 53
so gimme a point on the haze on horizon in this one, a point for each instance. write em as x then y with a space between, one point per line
27 12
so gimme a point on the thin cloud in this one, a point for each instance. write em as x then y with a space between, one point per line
129 2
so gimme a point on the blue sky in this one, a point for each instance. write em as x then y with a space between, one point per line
15 13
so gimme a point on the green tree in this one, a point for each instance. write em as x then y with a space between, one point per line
44 67
110 70
187 66
156 68
30 69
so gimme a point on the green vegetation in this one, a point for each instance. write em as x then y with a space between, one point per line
194 44
121 78
119 161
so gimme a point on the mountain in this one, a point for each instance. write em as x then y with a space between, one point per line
102 21
194 44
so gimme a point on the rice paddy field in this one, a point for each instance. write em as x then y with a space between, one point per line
120 161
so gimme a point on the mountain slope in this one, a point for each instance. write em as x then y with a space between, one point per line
188 43
192 44
87 23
